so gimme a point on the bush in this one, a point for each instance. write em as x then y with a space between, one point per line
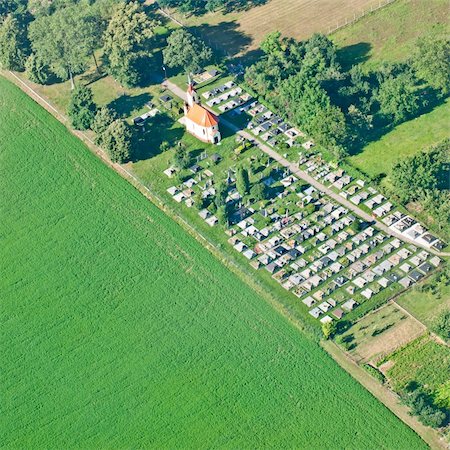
376 373
441 326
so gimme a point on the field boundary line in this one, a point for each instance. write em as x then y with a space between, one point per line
358 16
223 257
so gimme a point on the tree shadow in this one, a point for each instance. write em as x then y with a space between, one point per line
382 125
224 38
126 104
148 139
353 54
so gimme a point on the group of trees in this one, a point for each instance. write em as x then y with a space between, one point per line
421 405
111 134
424 178
202 6
341 108
58 38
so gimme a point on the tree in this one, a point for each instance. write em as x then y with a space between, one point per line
63 41
328 329
329 126
221 194
271 44
242 181
127 41
184 50
259 191
103 119
82 109
12 6
36 70
222 214
13 44
117 141
181 158
412 176
398 97
431 61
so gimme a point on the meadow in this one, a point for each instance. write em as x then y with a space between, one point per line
120 330
389 34
404 140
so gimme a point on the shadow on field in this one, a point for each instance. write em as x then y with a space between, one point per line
353 54
147 140
126 104
224 38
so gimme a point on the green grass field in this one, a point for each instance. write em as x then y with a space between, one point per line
403 141
119 330
389 34
425 306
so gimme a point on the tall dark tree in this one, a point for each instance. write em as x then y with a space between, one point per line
185 51
81 109
126 41
242 181
13 44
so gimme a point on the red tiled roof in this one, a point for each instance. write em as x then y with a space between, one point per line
201 116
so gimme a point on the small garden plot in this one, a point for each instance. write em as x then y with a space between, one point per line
424 362
379 333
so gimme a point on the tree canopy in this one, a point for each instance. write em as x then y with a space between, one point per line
82 108
127 41
63 40
185 51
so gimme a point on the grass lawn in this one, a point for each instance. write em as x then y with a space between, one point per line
389 34
424 305
120 330
404 140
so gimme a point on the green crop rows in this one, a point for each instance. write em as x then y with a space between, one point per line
119 330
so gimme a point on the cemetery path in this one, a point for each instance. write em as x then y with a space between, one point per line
295 170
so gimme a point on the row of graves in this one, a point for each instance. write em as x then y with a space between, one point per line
320 259
226 97
369 199
269 127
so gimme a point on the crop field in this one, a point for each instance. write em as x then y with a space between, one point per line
240 32
120 330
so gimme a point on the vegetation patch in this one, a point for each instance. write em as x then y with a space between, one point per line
120 329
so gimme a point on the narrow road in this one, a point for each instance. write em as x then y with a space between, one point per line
293 167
